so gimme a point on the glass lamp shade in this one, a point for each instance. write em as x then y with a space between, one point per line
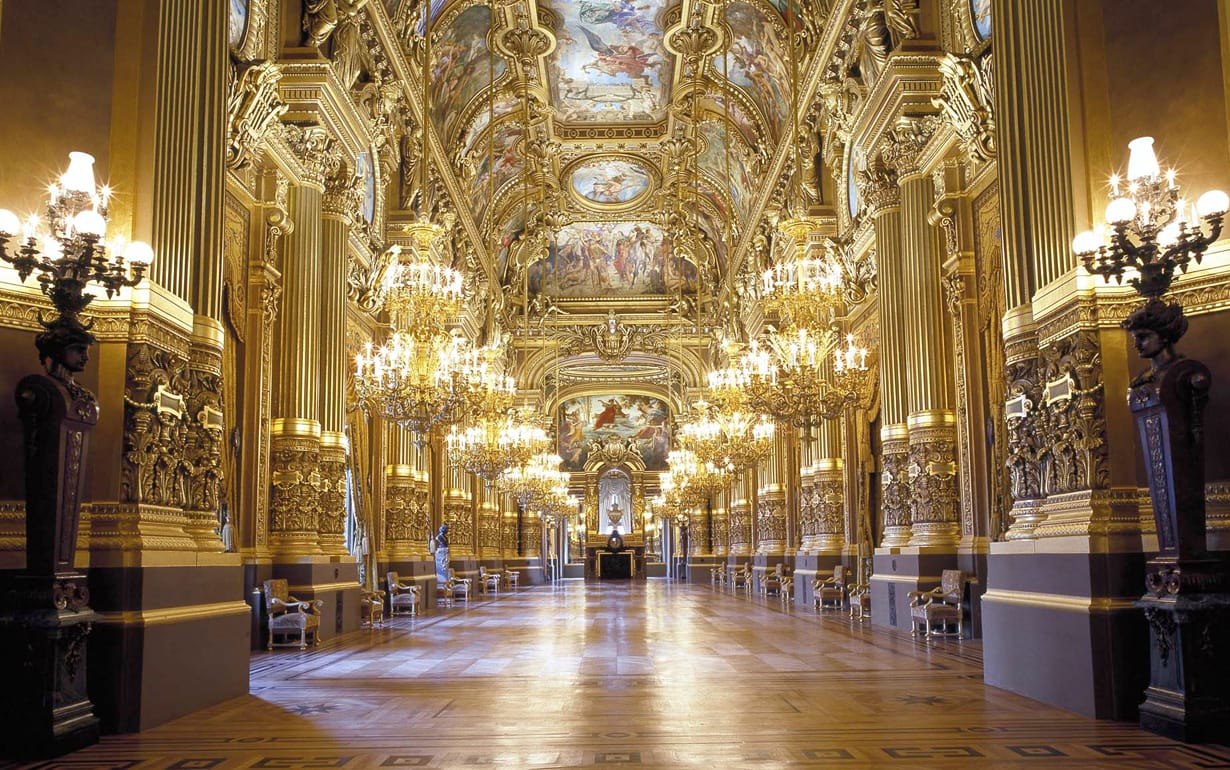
1142 163
1087 242
1120 210
90 222
1212 204
10 223
139 253
80 174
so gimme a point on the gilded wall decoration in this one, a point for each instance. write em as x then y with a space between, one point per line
757 61
932 470
895 488
1024 421
399 506
489 530
966 102
610 182
204 428
828 501
988 245
253 106
740 529
294 502
1074 451
153 470
460 525
332 500
771 519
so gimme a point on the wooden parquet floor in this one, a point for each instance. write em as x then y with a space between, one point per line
653 675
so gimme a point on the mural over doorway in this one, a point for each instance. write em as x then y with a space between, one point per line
643 420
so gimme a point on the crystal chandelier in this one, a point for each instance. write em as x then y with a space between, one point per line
1153 231
409 381
482 387
530 482
727 441
803 290
67 249
557 503
494 444
420 293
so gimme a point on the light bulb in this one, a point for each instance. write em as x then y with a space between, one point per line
139 252
80 174
90 222
1120 211
1086 243
1142 163
1168 235
10 223
1214 203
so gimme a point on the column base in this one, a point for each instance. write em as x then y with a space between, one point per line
1026 516
925 534
896 572
895 537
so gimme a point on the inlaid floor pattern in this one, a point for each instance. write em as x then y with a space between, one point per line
636 675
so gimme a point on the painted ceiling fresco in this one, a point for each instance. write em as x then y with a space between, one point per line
758 61
609 63
611 259
611 180
462 66
494 169
643 420
718 162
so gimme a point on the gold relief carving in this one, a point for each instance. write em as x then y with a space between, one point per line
270 299
295 480
313 148
967 104
721 532
488 529
1074 451
153 469
905 142
235 257
460 526
322 17
1217 501
828 501
807 509
932 470
524 45
878 186
253 105
954 295
895 486
204 427
860 276
771 520
343 196
138 526
740 529
399 510
332 521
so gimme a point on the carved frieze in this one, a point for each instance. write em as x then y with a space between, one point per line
932 470
153 468
828 501
332 521
895 489
460 525
771 519
399 505
966 103
740 529
1073 453
203 438
295 480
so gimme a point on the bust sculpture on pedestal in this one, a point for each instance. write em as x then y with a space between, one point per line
442 560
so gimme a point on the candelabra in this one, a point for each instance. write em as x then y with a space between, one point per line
1187 600
46 616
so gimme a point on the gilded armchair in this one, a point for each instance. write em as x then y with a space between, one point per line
717 576
403 597
489 581
371 608
459 587
290 617
940 607
771 580
860 600
741 576
830 592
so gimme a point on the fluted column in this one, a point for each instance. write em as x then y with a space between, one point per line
296 433
1033 130
421 528
827 498
721 523
808 450
879 188
338 208
932 468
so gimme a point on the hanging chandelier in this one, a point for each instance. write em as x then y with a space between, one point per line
495 444
530 482
803 291
421 294
727 441
409 381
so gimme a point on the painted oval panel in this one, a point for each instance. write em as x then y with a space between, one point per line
237 23
610 180
980 10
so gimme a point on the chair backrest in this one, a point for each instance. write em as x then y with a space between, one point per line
952 581
392 580
276 589
482 571
839 574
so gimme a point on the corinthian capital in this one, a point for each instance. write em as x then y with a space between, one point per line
878 186
313 148
905 142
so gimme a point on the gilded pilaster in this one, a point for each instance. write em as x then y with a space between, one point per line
808 522
1024 420
338 207
296 433
878 186
721 524
771 516
459 514
828 499
489 526
203 431
741 516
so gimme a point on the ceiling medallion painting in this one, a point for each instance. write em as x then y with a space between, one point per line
611 182
611 259
610 64
585 423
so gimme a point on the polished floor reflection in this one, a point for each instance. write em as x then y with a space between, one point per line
653 675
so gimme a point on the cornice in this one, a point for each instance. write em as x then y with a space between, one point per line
909 83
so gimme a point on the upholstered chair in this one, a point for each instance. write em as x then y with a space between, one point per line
860 600
717 576
403 597
741 576
290 617
489 581
937 611
371 608
460 587
830 593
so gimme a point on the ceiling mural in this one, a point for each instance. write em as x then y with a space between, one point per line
758 61
609 63
611 259
504 105
719 163
494 169
613 181
643 420
462 65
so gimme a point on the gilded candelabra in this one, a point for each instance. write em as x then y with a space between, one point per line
1154 233
45 617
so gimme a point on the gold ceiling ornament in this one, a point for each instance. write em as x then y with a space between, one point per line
612 341
494 444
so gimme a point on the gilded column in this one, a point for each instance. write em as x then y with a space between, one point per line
296 432
932 463
421 528
265 291
508 527
771 499
488 513
828 502
741 515
721 523
879 188
1032 131
399 496
339 206
459 513
807 504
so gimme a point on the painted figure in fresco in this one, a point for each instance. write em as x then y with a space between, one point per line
630 60
610 411
571 437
